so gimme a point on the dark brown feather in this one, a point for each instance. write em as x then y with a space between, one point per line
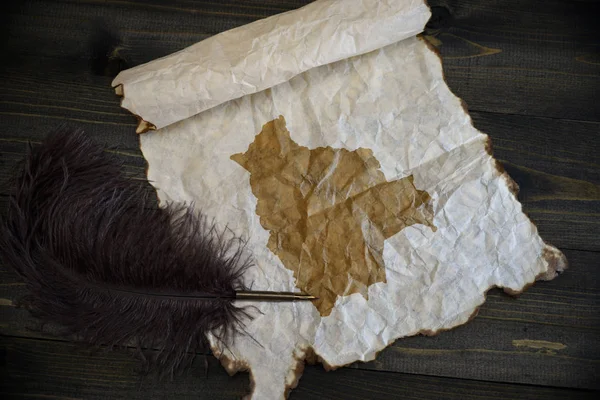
109 267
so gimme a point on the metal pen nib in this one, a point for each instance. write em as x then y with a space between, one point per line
272 296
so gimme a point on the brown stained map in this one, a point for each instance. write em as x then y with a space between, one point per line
328 211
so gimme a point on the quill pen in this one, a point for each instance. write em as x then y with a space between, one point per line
100 260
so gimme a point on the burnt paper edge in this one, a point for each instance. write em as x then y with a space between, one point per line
555 259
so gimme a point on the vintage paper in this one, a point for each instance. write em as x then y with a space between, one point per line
358 176
263 54
328 211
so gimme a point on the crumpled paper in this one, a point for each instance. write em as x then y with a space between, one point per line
328 139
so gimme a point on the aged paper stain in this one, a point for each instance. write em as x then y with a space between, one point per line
328 211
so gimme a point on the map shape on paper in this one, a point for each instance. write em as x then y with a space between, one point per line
328 211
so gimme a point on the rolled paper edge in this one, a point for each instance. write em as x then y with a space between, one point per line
405 19
143 126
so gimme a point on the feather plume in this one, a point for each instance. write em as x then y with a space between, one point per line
99 259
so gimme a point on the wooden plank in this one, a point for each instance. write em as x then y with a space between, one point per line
518 340
500 348
13 150
551 146
558 173
32 103
47 81
525 57
493 52
548 336
47 369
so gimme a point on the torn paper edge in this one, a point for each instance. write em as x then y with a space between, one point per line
556 264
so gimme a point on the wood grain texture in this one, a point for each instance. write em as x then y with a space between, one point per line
564 312
556 164
529 71
42 369
527 57
554 161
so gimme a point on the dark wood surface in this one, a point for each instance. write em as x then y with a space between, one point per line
529 72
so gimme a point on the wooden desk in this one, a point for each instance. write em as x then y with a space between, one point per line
530 74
